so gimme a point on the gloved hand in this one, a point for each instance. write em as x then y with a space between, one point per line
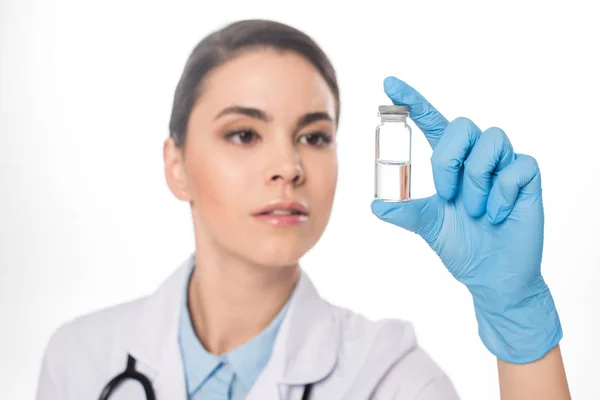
486 224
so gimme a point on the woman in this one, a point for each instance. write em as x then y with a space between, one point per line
252 149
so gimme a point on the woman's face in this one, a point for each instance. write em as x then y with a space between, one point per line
262 134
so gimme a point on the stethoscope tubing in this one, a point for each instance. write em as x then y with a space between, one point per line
131 373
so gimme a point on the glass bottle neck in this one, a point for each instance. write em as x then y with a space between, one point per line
392 118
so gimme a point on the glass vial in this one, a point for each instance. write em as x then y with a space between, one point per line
393 140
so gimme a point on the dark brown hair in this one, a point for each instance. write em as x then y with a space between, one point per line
228 42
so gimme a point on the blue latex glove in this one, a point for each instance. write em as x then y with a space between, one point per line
486 223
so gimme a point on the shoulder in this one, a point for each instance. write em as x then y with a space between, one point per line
387 358
83 352
87 337
104 329
99 326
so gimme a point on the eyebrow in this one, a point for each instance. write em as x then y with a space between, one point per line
261 115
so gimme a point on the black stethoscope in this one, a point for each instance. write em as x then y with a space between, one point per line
131 373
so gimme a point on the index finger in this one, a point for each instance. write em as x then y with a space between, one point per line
429 120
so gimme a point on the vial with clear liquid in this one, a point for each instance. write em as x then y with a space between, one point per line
393 140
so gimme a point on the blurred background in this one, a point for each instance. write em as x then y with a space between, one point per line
87 221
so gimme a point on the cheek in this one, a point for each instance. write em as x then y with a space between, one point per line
218 185
322 174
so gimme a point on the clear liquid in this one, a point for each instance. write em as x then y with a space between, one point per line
392 180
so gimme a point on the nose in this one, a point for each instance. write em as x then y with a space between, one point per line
286 169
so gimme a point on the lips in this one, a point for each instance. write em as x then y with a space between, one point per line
283 214
283 208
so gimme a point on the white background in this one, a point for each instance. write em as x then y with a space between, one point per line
87 221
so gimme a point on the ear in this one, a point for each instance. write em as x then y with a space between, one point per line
175 171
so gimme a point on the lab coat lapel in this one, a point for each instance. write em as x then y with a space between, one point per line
306 348
152 337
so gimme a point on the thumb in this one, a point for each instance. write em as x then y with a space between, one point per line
418 216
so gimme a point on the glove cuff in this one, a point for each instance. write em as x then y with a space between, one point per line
518 331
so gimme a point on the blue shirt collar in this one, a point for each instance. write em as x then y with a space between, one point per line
250 359
247 360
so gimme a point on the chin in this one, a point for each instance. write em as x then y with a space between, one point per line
277 259
274 253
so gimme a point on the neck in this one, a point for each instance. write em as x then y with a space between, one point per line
231 301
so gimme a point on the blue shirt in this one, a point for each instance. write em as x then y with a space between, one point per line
229 376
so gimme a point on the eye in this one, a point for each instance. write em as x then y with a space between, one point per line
316 139
242 136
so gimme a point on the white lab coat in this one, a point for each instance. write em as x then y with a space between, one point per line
344 355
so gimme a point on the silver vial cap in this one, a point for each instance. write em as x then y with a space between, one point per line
394 109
